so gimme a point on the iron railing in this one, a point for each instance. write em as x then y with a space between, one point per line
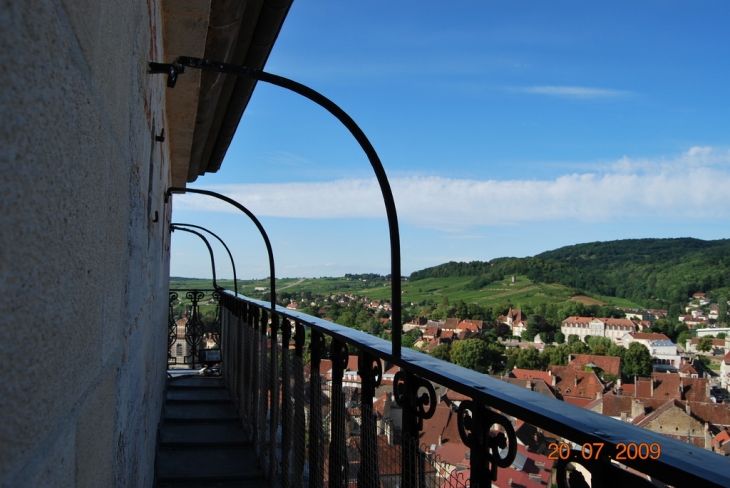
313 429
189 328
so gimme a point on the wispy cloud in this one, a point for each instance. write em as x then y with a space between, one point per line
574 91
688 186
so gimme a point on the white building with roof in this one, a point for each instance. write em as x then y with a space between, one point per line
662 349
613 329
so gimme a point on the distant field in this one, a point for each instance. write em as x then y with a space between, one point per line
619 302
586 300
521 292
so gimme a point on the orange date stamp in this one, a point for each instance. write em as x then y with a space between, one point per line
623 452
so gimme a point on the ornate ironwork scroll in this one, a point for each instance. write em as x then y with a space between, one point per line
194 326
416 408
214 328
475 422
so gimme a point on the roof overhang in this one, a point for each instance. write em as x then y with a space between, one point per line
204 108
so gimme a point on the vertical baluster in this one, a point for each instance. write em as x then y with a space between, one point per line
273 398
316 441
255 374
246 366
299 437
338 455
286 427
370 371
410 432
264 391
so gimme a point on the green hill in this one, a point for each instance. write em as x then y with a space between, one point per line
655 273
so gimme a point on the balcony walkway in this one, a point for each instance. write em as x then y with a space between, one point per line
201 441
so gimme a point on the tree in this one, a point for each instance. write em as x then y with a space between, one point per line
501 329
559 337
721 335
616 351
572 339
555 355
410 338
442 351
637 361
683 337
475 354
704 344
461 310
722 315
596 341
579 348
600 350
529 358
666 327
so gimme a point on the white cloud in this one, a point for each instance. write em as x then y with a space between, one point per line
574 91
691 186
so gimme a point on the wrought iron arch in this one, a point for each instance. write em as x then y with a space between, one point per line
230 256
177 67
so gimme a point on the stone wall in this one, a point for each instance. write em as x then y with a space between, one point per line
83 265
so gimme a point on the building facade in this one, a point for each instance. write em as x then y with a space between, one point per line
612 329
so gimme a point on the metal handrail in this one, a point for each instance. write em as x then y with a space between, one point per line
680 464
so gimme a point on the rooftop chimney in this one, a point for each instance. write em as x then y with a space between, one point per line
637 408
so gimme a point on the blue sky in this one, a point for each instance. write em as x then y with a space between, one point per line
506 129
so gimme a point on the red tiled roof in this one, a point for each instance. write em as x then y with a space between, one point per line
580 384
720 439
468 325
608 364
528 374
715 342
451 323
431 331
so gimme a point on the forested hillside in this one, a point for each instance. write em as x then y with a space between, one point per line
658 273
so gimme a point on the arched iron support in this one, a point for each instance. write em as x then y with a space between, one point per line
253 218
177 67
174 227
233 264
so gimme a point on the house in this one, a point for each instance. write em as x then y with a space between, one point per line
662 349
470 325
611 328
605 364
674 419
516 320
577 387
718 346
